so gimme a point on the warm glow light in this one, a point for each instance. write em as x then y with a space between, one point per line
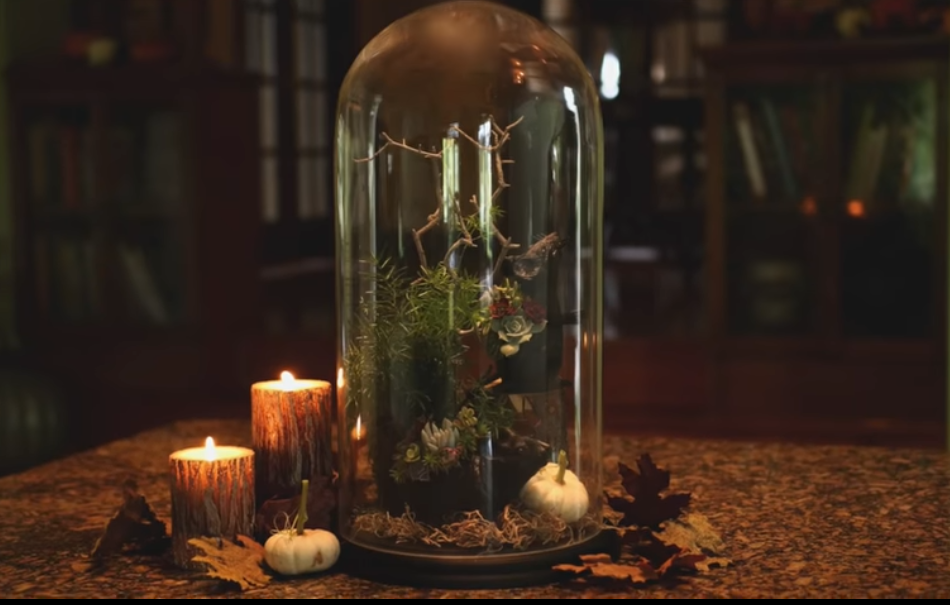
287 377
211 453
340 381
610 76
856 208
809 206
359 427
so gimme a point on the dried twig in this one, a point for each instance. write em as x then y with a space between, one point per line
466 239
500 136
390 142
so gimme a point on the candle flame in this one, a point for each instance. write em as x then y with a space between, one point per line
359 427
286 376
340 381
210 451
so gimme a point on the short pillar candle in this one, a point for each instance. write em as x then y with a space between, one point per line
212 491
292 434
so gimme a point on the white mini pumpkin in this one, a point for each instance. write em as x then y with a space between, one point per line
558 491
291 554
295 551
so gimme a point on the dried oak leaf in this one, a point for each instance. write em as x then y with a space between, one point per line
134 526
645 544
633 571
646 506
276 513
693 533
239 563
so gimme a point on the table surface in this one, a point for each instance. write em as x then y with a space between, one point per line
799 521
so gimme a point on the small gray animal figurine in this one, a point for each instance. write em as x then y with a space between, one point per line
527 266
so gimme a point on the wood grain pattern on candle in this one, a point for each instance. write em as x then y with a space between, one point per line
212 491
292 434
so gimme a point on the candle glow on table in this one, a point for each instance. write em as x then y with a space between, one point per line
212 489
291 427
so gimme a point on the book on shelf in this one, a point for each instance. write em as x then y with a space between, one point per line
777 143
61 162
750 155
143 286
162 159
773 151
66 279
123 171
866 155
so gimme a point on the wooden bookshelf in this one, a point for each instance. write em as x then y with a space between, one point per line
826 231
137 194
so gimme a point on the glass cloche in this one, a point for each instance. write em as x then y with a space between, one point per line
469 247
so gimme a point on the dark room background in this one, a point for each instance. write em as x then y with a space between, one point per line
776 194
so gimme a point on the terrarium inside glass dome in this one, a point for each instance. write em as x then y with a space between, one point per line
469 228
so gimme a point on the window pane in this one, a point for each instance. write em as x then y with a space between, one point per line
556 11
320 52
309 8
269 44
306 119
313 120
566 32
268 110
303 43
270 192
324 187
306 173
311 51
323 125
252 24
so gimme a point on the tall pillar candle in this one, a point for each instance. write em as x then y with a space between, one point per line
212 491
292 433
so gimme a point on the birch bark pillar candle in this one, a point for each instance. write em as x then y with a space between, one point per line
292 434
212 492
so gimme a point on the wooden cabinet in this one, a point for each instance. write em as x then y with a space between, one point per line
826 230
137 198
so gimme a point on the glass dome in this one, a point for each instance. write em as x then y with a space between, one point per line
469 248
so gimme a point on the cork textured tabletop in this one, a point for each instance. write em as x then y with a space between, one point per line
799 521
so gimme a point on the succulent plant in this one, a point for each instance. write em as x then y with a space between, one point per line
467 417
412 454
437 439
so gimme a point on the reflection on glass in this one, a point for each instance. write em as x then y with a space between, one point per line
888 226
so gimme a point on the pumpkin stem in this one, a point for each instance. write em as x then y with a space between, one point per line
562 467
301 519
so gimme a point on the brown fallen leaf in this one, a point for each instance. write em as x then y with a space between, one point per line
710 562
693 533
604 567
275 513
239 563
133 525
645 504
655 539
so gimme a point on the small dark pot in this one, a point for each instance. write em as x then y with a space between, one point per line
439 500
536 365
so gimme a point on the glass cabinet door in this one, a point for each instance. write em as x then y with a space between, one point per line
61 210
774 158
144 185
886 208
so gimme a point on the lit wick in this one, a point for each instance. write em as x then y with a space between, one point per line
211 453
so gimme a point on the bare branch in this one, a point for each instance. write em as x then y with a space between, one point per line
390 142
501 135
506 246
466 239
